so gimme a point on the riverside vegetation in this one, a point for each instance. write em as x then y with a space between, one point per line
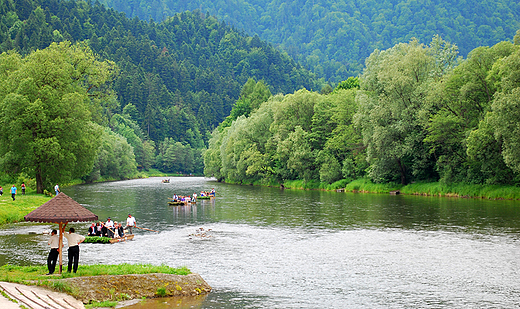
418 114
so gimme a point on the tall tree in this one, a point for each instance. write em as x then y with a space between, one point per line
390 113
46 127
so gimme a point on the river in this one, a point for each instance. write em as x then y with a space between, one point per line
270 248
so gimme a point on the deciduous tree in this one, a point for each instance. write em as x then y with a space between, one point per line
46 127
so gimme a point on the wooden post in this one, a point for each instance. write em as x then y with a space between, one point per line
60 245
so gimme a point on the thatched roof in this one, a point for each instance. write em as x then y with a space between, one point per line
61 209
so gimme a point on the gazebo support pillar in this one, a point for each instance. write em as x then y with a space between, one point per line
60 248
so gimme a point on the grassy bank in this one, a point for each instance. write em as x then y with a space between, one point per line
427 188
463 190
35 275
26 274
14 211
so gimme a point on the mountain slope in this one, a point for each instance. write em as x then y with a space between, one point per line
333 38
182 75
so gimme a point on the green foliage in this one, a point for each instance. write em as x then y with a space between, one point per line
252 95
302 136
177 79
391 111
97 239
334 37
350 83
115 159
45 112
422 114
102 304
174 157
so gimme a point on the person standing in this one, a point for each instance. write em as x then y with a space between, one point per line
57 189
110 227
130 223
1 191
23 188
54 242
73 240
13 192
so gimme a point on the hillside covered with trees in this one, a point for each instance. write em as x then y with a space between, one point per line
418 113
172 82
334 38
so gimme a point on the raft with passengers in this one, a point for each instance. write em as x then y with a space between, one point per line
110 231
179 200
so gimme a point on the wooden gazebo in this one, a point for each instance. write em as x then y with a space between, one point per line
61 210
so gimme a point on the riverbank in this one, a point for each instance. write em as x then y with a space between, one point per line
109 284
364 185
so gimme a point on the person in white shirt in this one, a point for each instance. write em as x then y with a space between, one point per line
54 242
73 240
130 223
110 227
57 189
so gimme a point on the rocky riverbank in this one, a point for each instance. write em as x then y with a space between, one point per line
124 287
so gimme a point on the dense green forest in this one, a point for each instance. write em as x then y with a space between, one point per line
171 84
333 38
417 113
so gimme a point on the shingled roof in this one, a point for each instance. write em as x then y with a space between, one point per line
61 209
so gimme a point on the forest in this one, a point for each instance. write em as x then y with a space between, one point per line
171 84
418 113
333 38
88 93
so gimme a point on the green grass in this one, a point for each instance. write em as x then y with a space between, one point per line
101 304
14 211
35 275
365 185
21 274
463 189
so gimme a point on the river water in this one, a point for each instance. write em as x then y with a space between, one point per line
270 248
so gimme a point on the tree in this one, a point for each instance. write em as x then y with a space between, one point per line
391 114
46 127
458 102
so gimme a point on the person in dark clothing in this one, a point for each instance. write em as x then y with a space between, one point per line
54 242
74 240
120 230
92 230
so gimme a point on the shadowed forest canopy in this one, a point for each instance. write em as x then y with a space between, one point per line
333 38
183 74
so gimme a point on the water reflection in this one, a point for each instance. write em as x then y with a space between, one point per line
272 248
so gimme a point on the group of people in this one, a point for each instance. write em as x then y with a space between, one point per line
14 191
192 198
97 229
185 198
111 228
210 193
73 241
